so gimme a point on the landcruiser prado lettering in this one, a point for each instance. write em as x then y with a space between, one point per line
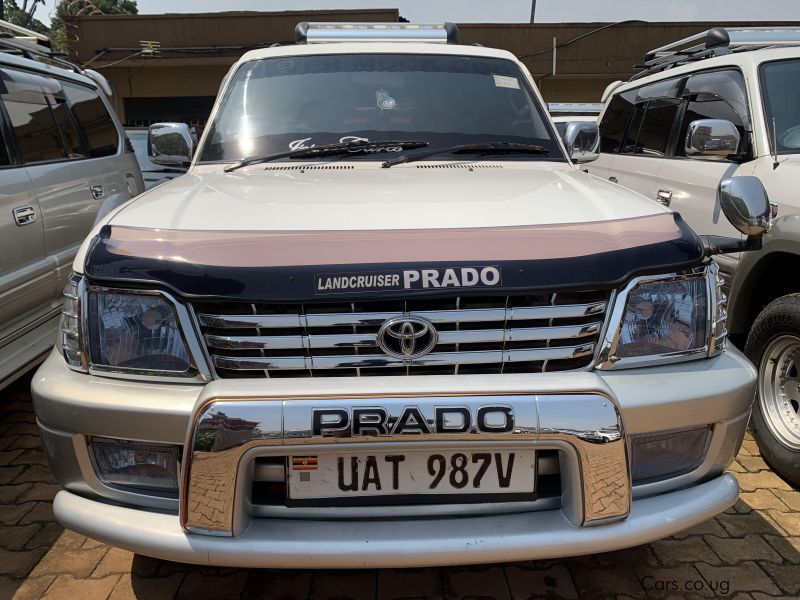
706 108
384 320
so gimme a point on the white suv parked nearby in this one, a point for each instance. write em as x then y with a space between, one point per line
385 321
721 104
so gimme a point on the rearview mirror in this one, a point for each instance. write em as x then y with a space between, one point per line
170 144
712 138
745 203
582 139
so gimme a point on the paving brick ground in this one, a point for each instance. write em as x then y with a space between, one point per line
752 551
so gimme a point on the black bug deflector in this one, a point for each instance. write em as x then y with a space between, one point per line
303 266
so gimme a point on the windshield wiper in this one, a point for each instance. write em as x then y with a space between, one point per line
337 149
485 148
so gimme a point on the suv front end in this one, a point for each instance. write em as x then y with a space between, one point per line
194 464
337 360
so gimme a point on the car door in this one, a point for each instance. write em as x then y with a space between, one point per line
69 187
646 145
121 177
691 184
27 281
613 127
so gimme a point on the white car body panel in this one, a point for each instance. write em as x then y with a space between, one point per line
368 197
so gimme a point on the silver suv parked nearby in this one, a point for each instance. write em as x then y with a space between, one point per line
63 164
720 104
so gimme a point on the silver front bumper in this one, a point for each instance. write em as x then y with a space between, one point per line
395 544
585 416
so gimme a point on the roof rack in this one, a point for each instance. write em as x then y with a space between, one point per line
35 46
18 40
319 33
716 42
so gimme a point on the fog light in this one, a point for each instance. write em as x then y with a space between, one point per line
140 465
658 456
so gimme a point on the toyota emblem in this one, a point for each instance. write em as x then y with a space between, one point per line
407 338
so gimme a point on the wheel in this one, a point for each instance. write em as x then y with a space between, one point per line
774 347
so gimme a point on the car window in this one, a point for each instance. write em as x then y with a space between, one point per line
95 122
780 81
5 160
71 140
714 95
277 104
657 118
31 117
615 120
632 134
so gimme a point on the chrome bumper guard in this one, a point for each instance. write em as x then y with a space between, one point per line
228 434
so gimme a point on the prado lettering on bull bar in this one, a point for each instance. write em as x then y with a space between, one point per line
408 279
377 421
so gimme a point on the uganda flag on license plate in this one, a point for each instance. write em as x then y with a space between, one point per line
304 463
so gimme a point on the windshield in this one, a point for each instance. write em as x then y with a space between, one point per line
280 104
779 82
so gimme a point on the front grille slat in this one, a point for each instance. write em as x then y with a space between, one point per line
507 334
258 363
369 340
350 319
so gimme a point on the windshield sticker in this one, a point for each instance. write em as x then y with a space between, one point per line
384 100
504 81
306 143
408 279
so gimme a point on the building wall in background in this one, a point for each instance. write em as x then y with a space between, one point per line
198 49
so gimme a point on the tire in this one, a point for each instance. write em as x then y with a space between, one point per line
773 345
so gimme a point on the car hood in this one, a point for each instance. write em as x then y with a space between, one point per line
339 196
300 232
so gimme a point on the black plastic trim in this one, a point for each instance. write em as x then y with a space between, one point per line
296 283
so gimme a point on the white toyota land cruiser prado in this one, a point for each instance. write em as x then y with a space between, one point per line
384 320
707 108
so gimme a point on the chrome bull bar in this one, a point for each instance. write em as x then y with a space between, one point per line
227 434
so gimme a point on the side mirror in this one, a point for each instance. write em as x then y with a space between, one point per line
746 205
170 144
712 138
582 139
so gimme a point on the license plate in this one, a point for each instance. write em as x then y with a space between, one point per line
423 472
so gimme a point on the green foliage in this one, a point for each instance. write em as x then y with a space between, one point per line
59 33
74 8
23 15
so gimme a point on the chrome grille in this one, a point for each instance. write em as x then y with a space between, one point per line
506 334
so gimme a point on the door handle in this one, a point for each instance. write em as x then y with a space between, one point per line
97 191
613 179
24 215
664 197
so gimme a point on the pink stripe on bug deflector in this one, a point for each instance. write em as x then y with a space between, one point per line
298 248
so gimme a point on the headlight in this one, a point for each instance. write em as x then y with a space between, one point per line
666 319
136 333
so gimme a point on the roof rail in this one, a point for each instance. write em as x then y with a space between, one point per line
716 42
574 108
